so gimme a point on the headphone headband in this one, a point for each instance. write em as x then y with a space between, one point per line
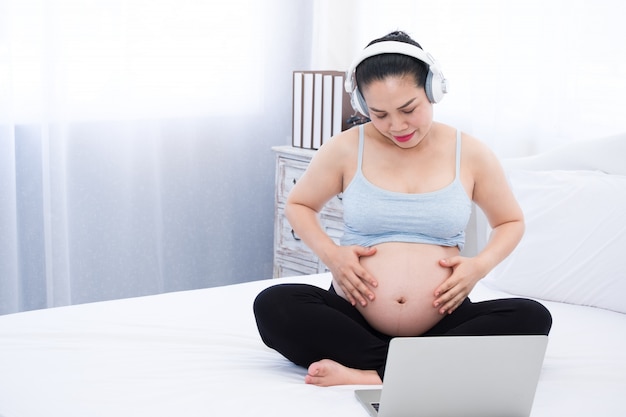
436 85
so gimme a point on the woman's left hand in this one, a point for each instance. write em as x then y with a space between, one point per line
451 293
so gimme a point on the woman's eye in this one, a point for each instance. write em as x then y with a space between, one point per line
408 111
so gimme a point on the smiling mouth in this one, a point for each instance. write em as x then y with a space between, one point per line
404 138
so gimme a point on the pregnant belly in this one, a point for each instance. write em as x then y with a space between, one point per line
407 275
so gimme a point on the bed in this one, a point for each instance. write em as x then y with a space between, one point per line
198 353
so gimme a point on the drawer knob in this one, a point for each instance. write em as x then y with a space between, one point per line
293 233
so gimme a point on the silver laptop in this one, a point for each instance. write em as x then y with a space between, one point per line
464 376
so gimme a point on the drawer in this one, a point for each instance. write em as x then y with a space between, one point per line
289 267
333 226
288 172
287 242
291 255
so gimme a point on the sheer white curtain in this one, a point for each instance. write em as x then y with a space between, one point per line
135 144
524 76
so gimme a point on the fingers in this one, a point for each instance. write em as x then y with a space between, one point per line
357 285
447 284
448 306
357 291
362 273
449 294
352 278
450 262
365 251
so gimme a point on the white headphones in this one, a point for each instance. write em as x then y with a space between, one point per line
436 85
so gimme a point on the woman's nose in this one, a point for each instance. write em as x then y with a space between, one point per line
397 123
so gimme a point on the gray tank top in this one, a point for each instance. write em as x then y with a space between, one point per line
373 215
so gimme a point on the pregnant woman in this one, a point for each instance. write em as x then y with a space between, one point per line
408 184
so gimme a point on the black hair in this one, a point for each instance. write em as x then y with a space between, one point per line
379 67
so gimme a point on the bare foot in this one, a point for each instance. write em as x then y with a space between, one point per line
326 373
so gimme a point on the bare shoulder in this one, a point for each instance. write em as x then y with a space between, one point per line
344 142
338 151
324 177
475 147
477 155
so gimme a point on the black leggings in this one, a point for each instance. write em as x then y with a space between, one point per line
306 323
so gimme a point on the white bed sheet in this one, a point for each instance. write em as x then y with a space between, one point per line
198 353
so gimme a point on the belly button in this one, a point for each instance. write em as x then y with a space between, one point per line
401 300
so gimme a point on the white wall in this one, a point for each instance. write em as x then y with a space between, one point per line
135 144
524 76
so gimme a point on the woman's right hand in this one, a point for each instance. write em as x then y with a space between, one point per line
354 281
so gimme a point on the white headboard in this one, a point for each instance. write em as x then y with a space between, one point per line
606 154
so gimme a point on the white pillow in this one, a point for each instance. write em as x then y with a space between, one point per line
574 248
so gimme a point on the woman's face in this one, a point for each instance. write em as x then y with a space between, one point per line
399 109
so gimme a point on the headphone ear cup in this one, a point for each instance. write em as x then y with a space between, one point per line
428 87
435 86
358 102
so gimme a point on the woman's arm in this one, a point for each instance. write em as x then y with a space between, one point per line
492 193
322 180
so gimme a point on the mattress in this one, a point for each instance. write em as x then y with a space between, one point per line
198 353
